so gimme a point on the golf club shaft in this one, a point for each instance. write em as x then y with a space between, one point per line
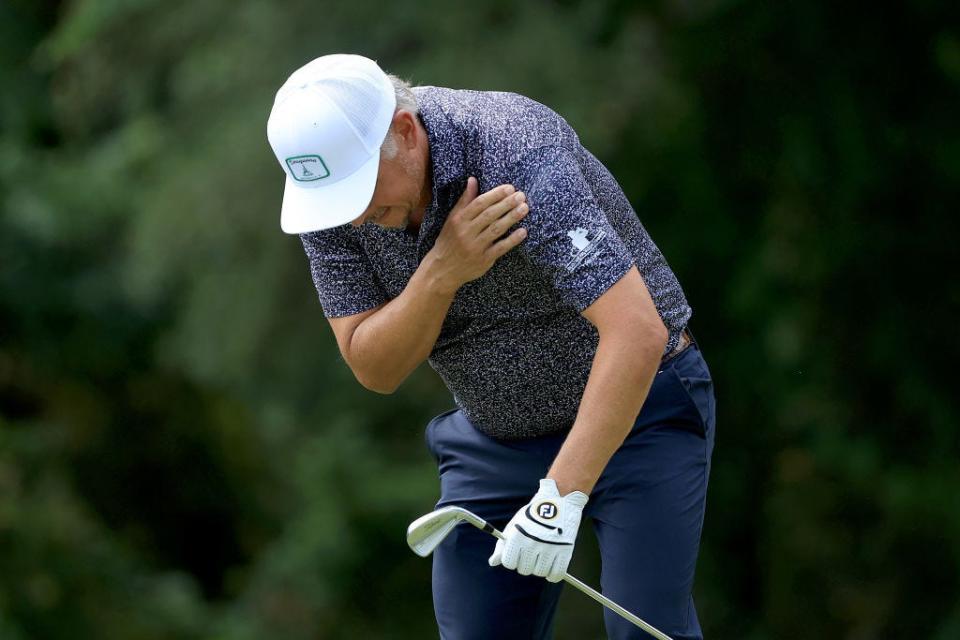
599 597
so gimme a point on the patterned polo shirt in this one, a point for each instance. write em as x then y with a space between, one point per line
514 349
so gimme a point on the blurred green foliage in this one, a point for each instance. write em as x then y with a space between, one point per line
184 455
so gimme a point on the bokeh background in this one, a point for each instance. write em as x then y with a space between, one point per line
183 453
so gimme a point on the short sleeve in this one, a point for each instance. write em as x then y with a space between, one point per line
345 281
568 235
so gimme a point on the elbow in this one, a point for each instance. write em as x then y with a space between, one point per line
648 336
656 337
659 336
382 387
653 341
368 376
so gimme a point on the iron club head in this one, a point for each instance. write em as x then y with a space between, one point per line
428 531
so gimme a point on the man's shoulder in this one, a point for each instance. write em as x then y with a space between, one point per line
489 108
471 100
491 116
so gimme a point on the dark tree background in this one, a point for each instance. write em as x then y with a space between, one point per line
183 454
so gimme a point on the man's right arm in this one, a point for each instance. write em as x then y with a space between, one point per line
385 344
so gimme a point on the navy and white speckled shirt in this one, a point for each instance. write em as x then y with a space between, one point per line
514 349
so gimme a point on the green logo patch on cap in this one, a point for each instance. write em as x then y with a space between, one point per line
307 168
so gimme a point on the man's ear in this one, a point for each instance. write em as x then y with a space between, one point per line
404 128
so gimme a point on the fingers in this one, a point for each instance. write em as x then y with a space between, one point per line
470 192
544 564
558 567
526 561
529 560
497 554
494 221
475 205
511 552
518 554
491 214
501 247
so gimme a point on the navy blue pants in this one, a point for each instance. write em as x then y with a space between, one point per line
647 512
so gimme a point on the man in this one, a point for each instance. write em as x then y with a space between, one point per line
471 229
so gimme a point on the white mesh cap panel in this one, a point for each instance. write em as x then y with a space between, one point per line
360 101
356 85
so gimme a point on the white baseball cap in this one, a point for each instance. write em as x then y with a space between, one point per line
326 127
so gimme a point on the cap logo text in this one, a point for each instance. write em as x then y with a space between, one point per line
307 168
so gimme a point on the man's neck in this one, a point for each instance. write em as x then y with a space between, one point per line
416 218
426 193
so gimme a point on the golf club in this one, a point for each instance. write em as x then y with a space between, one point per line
428 531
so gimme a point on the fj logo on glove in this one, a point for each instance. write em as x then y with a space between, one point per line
547 510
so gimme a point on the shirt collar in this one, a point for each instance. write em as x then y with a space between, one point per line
447 149
448 163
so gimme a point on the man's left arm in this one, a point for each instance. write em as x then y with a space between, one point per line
539 539
574 245
632 338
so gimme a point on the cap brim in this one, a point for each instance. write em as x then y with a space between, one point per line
307 209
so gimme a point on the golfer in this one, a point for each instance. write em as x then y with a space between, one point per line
473 230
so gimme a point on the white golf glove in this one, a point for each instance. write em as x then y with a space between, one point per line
539 539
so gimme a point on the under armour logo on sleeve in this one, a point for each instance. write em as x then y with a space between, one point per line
579 238
583 245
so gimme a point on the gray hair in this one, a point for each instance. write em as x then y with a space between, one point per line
407 101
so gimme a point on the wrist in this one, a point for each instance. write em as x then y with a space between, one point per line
549 490
568 484
435 280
